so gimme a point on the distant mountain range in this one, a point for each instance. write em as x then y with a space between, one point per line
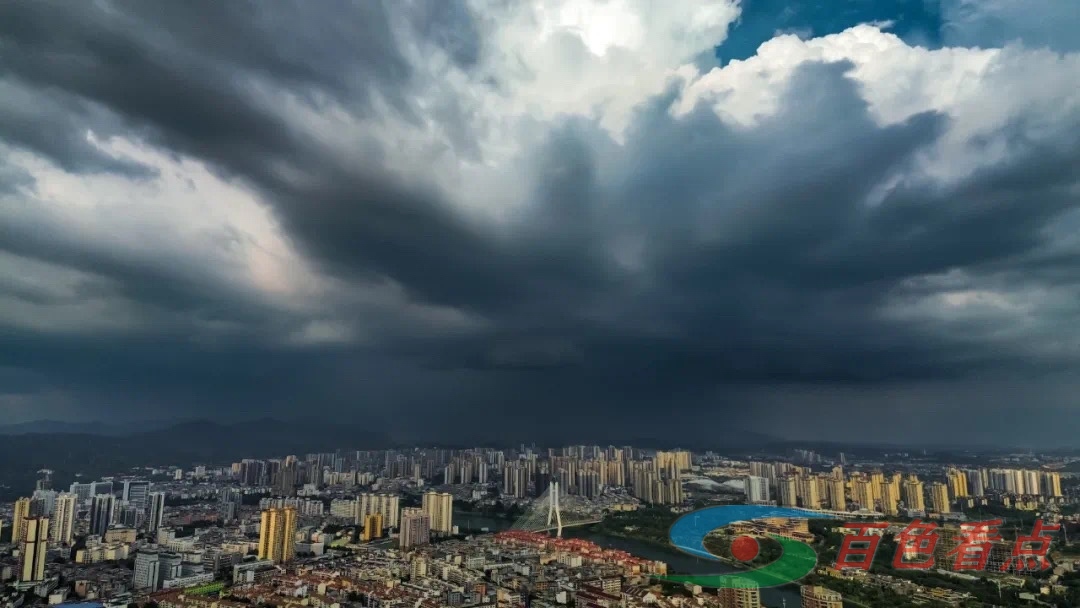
297 431
81 428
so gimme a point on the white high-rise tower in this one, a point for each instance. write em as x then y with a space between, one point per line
63 520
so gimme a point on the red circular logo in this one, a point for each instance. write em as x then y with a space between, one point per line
744 548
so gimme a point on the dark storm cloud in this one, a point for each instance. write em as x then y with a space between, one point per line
752 256
37 120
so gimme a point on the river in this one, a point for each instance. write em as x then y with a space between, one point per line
676 560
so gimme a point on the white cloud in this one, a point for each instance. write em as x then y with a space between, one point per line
981 90
185 223
540 62
478 129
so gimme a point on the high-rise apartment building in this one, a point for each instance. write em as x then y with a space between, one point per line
33 549
976 483
515 479
43 503
386 504
789 491
415 528
63 519
809 497
957 482
939 497
285 478
277 535
757 489
229 507
861 493
836 491
439 507
820 597
1031 482
373 526
157 512
673 461
890 497
913 495
877 481
21 514
1051 484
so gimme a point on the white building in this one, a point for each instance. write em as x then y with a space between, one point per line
757 489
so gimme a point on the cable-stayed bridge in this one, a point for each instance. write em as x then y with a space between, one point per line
546 514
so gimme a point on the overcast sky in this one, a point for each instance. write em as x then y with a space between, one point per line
499 216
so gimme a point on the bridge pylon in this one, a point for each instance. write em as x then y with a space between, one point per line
553 508
546 514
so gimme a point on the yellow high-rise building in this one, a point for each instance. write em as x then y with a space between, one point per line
837 500
890 498
22 513
958 484
822 487
439 507
807 488
789 491
385 504
1051 482
913 494
34 548
897 483
814 596
678 461
862 493
877 480
939 497
373 526
277 535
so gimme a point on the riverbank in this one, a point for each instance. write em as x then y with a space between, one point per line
664 545
647 548
680 562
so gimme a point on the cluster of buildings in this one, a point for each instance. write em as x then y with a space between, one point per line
376 515
114 539
504 570
898 493
103 514
376 529
650 476
749 596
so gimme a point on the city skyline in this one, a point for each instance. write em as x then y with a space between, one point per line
149 534
472 218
